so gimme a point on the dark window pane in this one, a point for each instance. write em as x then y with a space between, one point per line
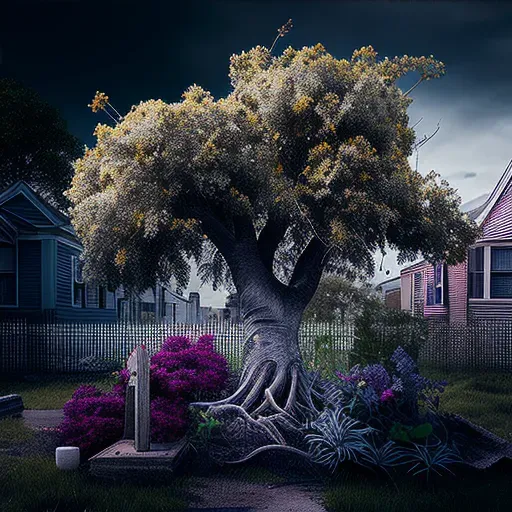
501 258
78 293
501 286
439 294
476 285
8 289
148 307
430 294
7 258
476 259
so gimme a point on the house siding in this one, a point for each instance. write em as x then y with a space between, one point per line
29 274
65 312
21 206
458 292
498 224
483 309
433 311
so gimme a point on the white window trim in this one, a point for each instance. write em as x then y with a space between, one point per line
487 273
11 306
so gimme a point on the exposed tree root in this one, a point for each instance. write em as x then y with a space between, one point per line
277 422
270 447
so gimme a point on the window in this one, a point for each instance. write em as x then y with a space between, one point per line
438 283
476 273
102 297
436 287
501 272
79 298
7 275
162 302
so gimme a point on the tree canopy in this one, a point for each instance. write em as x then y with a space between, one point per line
305 161
35 145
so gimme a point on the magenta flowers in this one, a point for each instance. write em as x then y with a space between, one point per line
386 395
179 373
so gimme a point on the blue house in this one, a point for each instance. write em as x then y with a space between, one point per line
40 274
41 278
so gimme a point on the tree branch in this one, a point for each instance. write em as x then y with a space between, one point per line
269 239
216 230
308 270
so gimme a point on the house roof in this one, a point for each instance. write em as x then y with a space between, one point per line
389 284
53 215
479 209
480 213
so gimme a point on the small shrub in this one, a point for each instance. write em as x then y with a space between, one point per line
380 330
179 373
397 410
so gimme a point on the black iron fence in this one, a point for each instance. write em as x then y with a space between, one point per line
28 347
56 348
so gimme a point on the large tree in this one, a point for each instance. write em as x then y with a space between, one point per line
35 145
301 169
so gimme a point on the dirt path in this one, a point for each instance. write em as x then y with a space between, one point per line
212 493
43 418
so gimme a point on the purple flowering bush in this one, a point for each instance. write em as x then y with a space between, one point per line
92 419
180 373
396 411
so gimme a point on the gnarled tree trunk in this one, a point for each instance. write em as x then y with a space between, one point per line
274 394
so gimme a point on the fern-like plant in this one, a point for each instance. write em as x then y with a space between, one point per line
337 438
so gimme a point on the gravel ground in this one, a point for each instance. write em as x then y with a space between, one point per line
212 492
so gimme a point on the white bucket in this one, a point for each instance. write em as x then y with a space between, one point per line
67 457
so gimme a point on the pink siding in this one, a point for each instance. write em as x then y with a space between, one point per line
498 224
457 292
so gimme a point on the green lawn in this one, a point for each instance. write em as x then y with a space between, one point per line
13 430
487 491
51 392
34 484
483 398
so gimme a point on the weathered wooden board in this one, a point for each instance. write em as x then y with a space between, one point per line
138 365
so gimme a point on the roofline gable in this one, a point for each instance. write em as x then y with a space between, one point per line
499 189
49 211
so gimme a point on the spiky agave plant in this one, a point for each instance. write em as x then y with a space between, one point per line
386 456
337 438
434 457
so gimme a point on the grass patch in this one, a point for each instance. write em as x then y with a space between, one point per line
483 398
51 392
476 492
57 491
14 430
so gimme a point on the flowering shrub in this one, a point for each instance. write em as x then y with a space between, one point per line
92 419
393 407
179 372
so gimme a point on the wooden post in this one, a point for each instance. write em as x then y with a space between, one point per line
138 365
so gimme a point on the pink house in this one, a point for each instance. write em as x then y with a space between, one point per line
481 287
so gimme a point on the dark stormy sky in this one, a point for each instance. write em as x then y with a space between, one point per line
138 50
